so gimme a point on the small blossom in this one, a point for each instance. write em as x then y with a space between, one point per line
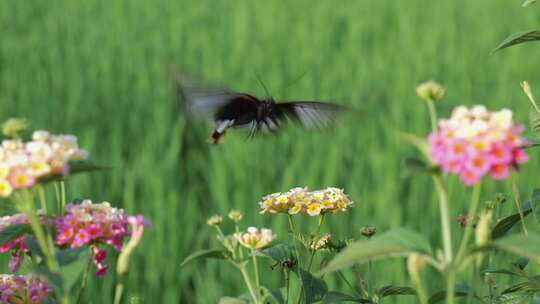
430 91
463 220
31 287
5 188
255 239
214 220
235 216
475 142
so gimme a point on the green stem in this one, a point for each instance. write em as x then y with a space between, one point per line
370 275
475 202
472 283
256 270
287 283
291 224
432 115
84 281
248 283
62 194
342 276
421 290
517 200
119 290
42 200
450 287
445 217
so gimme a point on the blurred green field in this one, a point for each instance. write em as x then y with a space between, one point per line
99 69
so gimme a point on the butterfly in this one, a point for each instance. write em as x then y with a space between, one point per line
229 109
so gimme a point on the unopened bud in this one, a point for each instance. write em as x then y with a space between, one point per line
368 231
235 216
214 220
430 91
483 229
415 265
321 243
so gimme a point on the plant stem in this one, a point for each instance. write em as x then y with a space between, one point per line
256 270
450 287
517 200
475 202
84 281
342 276
472 283
248 283
445 217
62 194
119 290
422 293
291 224
432 115
42 200
287 283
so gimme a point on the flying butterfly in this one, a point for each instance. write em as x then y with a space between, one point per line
240 110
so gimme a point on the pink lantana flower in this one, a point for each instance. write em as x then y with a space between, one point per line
475 142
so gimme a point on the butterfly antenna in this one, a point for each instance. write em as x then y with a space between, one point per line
296 79
262 84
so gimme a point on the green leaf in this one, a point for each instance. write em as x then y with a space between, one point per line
314 288
34 248
205 254
417 142
391 290
534 121
461 291
230 300
68 256
75 167
519 244
505 224
338 297
518 38
513 299
271 297
535 204
520 263
527 286
503 271
279 252
394 243
13 231
416 166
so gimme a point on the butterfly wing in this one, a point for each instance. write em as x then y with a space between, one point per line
311 115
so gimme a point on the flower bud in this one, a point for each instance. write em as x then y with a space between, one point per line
321 243
483 228
235 216
430 91
415 264
463 220
368 231
214 220
13 127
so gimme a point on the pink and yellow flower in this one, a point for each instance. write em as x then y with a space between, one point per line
476 142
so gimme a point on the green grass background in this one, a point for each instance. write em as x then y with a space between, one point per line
99 69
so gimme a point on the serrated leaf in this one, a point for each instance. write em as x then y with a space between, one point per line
338 297
394 243
204 254
520 263
391 290
527 286
513 299
279 252
534 121
13 231
518 38
75 264
535 204
519 244
314 288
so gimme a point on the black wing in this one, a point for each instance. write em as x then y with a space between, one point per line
311 115
201 100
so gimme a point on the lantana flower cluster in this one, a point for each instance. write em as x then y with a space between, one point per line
18 246
23 163
475 142
255 239
88 224
300 200
30 289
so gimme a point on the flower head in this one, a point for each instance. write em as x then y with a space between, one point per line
31 287
235 216
89 224
214 220
321 243
430 91
22 164
300 200
475 142
255 239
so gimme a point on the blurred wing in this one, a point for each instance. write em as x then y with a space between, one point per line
197 99
311 115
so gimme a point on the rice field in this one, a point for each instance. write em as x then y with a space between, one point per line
101 70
